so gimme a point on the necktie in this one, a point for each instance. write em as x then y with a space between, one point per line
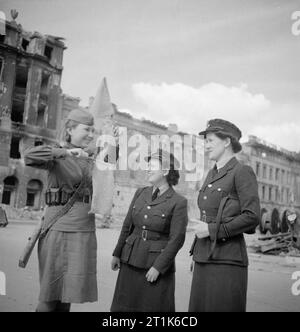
155 194
214 171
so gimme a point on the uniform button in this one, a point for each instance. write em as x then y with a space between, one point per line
224 240
210 185
144 227
148 207
145 216
205 197
163 215
204 212
219 189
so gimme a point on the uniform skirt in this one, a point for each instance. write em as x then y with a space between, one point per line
133 293
68 267
218 288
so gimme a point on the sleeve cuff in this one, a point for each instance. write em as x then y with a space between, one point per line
59 153
223 233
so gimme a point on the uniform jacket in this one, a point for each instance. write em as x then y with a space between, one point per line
65 172
153 231
241 214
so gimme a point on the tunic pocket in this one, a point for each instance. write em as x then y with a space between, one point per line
155 249
127 249
229 250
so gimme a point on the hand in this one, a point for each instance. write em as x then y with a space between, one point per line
115 264
152 274
201 230
78 152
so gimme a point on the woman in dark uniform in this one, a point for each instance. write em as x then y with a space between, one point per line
229 206
67 254
152 234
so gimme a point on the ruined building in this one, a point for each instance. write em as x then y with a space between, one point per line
33 108
278 175
30 76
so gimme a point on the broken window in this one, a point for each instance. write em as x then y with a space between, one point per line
9 191
44 83
258 169
264 171
38 141
277 174
270 193
34 191
15 147
21 77
48 52
263 192
40 120
271 174
25 44
17 110
18 104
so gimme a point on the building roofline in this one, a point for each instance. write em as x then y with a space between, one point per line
258 143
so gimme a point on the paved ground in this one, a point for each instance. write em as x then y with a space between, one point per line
269 277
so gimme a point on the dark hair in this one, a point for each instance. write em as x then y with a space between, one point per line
236 145
173 177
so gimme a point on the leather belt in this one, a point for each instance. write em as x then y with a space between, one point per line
146 234
84 199
208 219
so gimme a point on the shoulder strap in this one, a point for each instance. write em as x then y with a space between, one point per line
218 223
63 210
223 202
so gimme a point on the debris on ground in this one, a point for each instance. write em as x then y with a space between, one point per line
278 244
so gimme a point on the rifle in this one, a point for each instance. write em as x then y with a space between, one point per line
23 260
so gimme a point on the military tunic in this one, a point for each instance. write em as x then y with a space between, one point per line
152 234
68 253
220 278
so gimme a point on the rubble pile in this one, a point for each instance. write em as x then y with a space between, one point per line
279 244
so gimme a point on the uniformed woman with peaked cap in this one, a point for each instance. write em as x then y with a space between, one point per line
67 254
229 206
152 234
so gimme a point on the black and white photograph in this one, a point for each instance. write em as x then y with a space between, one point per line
149 158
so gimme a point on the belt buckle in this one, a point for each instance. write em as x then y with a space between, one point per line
203 218
144 234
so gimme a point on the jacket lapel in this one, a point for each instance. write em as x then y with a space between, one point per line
147 195
208 179
224 170
162 198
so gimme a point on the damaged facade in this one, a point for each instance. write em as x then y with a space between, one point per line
33 109
127 181
278 175
30 69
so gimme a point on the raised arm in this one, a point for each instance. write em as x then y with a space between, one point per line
43 156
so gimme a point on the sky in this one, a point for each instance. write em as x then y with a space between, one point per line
182 61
